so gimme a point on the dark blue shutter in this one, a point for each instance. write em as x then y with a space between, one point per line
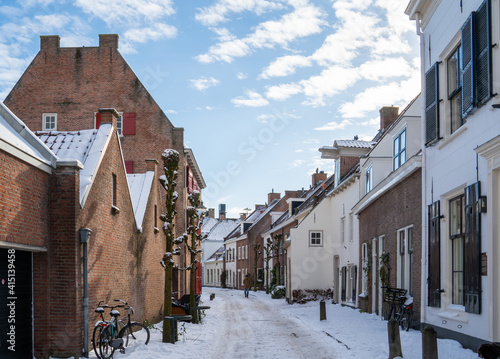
467 66
472 250
482 44
431 104
343 295
434 275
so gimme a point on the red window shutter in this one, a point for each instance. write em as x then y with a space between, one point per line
97 120
129 166
128 123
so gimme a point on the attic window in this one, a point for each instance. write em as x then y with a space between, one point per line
316 238
49 121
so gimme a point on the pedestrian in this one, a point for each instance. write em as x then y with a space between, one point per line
489 351
247 284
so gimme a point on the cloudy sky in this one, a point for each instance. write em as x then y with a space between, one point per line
258 85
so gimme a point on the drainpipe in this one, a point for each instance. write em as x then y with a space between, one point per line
84 238
423 293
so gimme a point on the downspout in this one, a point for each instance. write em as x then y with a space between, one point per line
424 270
84 238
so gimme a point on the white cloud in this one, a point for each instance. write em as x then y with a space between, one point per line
332 126
241 76
284 66
304 21
217 13
297 163
156 32
321 164
204 83
384 68
253 99
283 92
127 12
299 151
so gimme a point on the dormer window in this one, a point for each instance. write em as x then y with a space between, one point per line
49 122
369 179
399 154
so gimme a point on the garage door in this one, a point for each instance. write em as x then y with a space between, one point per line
15 304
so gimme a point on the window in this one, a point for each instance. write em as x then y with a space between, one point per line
246 251
365 264
342 230
114 191
454 66
239 252
49 121
369 179
457 237
399 153
119 122
351 227
434 275
315 238
353 274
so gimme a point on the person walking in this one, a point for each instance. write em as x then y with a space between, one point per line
247 283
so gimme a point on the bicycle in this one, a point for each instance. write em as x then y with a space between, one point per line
109 338
129 333
98 328
404 314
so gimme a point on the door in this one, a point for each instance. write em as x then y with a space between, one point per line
336 279
15 304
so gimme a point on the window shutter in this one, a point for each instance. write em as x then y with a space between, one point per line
355 284
129 166
344 284
467 67
128 123
472 250
431 104
482 43
434 278
97 120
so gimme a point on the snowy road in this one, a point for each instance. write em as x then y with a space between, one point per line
252 328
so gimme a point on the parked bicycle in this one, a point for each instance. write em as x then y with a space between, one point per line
109 338
398 306
404 313
133 332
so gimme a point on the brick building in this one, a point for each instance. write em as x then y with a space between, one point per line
390 212
53 186
62 90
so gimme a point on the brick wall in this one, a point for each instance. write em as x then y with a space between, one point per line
398 208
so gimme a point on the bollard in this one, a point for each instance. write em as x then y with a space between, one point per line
429 343
322 310
212 296
394 339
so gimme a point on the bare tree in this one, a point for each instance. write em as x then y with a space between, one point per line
170 166
268 249
256 248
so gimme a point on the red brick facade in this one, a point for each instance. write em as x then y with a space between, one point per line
399 207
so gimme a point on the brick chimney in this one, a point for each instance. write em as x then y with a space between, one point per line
271 196
243 216
151 165
108 115
318 176
388 115
49 42
211 212
108 40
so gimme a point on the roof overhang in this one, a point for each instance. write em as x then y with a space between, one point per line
191 160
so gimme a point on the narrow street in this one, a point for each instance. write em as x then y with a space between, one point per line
250 328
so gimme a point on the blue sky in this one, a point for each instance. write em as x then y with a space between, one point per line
258 85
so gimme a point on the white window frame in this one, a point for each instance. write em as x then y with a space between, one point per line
369 179
364 261
45 116
320 244
405 258
397 157
342 230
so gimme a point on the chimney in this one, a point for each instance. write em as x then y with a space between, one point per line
318 176
109 115
49 42
108 40
243 216
257 206
222 211
272 196
388 115
151 165
211 212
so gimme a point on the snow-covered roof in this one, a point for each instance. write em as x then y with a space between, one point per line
20 141
222 229
207 224
85 146
216 255
140 188
254 218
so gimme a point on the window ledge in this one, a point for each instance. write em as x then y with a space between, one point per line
454 312
115 210
453 136
156 230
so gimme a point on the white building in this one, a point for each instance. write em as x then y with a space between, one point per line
461 172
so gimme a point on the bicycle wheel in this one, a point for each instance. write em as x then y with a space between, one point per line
105 348
134 333
406 319
95 340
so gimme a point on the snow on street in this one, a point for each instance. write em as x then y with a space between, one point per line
261 327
